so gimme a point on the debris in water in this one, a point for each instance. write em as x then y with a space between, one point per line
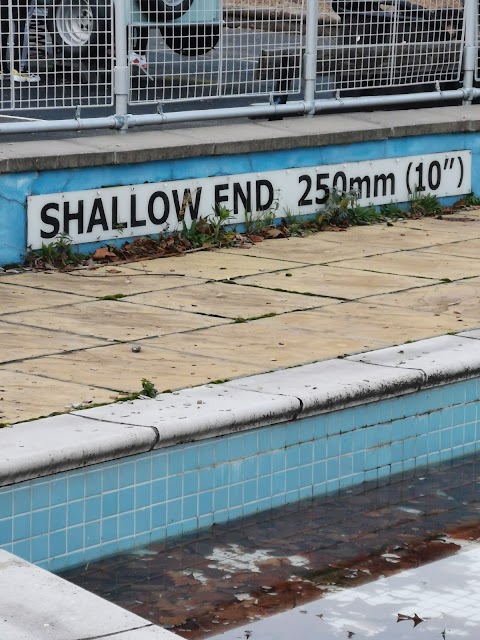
415 618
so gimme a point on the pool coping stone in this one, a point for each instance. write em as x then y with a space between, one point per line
442 359
66 442
38 605
60 443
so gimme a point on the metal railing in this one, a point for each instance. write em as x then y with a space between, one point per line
62 58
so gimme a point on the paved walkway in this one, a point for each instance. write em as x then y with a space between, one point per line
198 318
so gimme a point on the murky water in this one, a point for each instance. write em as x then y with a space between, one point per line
435 601
237 573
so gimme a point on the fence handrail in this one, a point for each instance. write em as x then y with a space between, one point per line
366 56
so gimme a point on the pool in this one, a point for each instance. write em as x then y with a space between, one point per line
294 557
81 487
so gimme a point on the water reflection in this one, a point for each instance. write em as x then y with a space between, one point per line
236 573
438 600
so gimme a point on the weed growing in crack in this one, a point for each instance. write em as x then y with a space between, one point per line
148 389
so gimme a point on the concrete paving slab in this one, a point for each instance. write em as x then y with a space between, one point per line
464 230
399 307
465 248
317 251
129 269
163 361
380 323
98 283
272 343
417 263
453 298
441 358
246 134
402 118
398 237
471 212
341 283
334 383
149 141
229 300
37 605
26 397
337 124
114 320
46 446
403 235
203 412
213 265
15 299
18 342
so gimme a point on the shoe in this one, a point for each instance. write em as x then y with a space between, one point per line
137 60
31 78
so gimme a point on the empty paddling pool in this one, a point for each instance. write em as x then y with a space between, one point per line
232 575
282 485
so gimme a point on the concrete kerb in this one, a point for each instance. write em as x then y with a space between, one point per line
257 136
37 605
66 442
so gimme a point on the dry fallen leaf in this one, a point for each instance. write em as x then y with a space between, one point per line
104 253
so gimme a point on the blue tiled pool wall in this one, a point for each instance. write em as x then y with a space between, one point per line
72 517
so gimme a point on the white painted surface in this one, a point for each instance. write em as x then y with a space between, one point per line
232 558
37 605
87 437
97 214
50 445
442 359
201 412
474 333
334 384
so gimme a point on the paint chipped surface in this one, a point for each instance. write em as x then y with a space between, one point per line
234 574
233 559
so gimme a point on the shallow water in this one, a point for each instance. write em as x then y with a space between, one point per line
236 573
438 600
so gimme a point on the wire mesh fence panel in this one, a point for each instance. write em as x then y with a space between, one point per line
477 39
391 44
61 53
203 49
173 49
55 55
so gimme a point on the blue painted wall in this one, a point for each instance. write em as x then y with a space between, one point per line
14 188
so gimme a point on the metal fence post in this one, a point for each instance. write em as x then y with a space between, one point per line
121 75
470 17
310 58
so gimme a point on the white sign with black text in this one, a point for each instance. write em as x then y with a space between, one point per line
122 212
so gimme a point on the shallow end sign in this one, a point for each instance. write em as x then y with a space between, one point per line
129 211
